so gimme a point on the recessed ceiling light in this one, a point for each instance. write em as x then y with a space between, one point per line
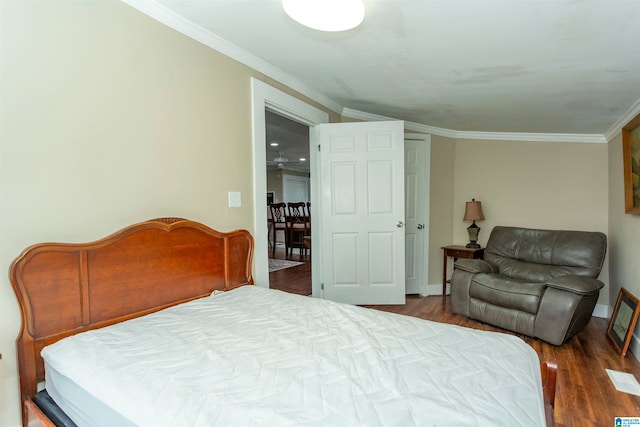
302 159
326 15
274 144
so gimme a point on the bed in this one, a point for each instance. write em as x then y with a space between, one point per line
160 324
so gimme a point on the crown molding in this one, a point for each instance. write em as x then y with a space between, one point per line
622 122
167 17
535 137
416 127
188 28
493 136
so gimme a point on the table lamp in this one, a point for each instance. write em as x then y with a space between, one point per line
473 212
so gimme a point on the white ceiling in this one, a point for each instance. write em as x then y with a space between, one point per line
293 143
531 66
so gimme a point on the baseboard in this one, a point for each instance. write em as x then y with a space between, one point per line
434 290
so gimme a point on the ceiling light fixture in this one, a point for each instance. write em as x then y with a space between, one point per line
326 15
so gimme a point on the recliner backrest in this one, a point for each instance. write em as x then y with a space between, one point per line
540 255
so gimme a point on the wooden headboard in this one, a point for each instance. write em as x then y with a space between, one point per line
65 288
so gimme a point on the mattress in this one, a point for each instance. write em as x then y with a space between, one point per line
260 357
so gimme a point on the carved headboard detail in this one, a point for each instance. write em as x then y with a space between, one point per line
66 288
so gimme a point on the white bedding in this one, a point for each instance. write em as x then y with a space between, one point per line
259 357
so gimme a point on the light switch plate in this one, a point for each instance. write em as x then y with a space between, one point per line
235 199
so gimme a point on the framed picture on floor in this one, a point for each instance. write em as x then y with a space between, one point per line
623 321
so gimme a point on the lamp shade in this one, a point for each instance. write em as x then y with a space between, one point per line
473 211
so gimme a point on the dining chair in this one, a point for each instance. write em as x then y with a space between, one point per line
307 239
308 215
279 223
297 222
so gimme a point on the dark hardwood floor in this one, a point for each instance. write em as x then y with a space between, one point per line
296 280
584 394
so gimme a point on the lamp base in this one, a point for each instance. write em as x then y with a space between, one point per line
473 231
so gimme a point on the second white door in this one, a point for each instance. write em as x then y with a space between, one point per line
295 188
416 162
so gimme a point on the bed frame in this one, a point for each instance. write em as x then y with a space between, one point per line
64 289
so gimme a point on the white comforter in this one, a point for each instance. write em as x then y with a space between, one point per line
258 357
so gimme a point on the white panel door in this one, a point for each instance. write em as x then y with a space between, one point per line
416 167
362 204
295 188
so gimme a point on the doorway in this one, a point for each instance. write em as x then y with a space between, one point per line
265 97
288 181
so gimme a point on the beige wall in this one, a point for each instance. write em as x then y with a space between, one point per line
110 118
624 234
443 151
553 185
274 183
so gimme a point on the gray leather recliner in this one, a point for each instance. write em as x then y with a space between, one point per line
540 283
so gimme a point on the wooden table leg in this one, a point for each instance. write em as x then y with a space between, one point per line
444 274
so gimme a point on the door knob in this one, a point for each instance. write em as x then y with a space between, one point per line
399 224
420 226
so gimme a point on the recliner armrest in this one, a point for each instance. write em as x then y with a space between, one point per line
581 285
474 266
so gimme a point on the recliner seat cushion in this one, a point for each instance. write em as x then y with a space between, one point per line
506 292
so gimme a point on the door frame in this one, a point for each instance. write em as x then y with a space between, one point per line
263 97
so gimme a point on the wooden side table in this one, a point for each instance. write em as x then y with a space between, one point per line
457 252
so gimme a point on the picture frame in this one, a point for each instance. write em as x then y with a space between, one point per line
270 197
631 158
623 321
